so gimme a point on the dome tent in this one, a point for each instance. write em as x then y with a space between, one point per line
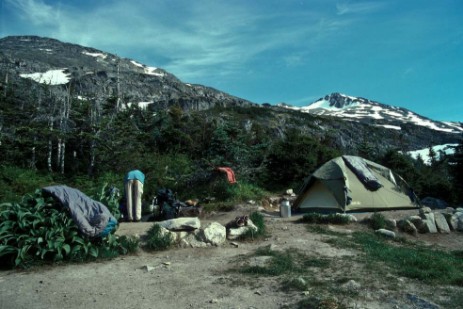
350 183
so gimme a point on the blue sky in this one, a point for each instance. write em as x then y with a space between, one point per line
406 53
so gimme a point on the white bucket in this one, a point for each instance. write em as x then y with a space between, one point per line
285 209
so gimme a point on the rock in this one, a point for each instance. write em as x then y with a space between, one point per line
182 234
350 218
351 286
181 224
386 233
434 203
418 223
235 233
215 233
339 230
456 221
425 210
147 268
429 222
194 240
441 223
391 224
408 227
301 281
163 231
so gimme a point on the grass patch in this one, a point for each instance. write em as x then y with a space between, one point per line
424 264
289 262
157 240
406 259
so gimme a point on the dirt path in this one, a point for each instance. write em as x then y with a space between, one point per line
187 278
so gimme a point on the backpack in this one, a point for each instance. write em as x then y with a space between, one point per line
168 206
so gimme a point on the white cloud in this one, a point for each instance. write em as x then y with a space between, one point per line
347 7
192 40
36 11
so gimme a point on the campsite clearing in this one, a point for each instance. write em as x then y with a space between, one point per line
212 277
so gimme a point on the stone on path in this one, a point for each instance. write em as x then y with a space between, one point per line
181 224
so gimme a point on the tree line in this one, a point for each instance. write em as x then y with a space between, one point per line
81 141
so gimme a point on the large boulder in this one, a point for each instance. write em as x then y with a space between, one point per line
194 240
214 233
181 224
441 223
456 221
163 232
408 227
429 222
417 221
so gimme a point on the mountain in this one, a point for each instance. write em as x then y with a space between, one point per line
93 73
36 70
358 109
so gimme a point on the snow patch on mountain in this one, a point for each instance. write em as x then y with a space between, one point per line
360 109
447 149
100 55
148 70
51 77
387 126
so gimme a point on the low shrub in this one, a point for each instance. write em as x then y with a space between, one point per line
377 221
258 219
319 218
157 240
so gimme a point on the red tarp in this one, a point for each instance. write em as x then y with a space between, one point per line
230 174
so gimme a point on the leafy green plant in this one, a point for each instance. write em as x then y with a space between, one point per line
157 240
38 229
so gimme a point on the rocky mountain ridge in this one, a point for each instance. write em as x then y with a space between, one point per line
96 74
47 68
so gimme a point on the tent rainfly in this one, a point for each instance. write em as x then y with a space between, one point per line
350 183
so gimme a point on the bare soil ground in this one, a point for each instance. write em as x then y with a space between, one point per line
202 277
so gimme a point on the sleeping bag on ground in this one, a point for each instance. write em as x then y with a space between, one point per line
92 218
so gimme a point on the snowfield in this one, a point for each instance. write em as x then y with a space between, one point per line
51 77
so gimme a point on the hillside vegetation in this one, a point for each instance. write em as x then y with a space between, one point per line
86 144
